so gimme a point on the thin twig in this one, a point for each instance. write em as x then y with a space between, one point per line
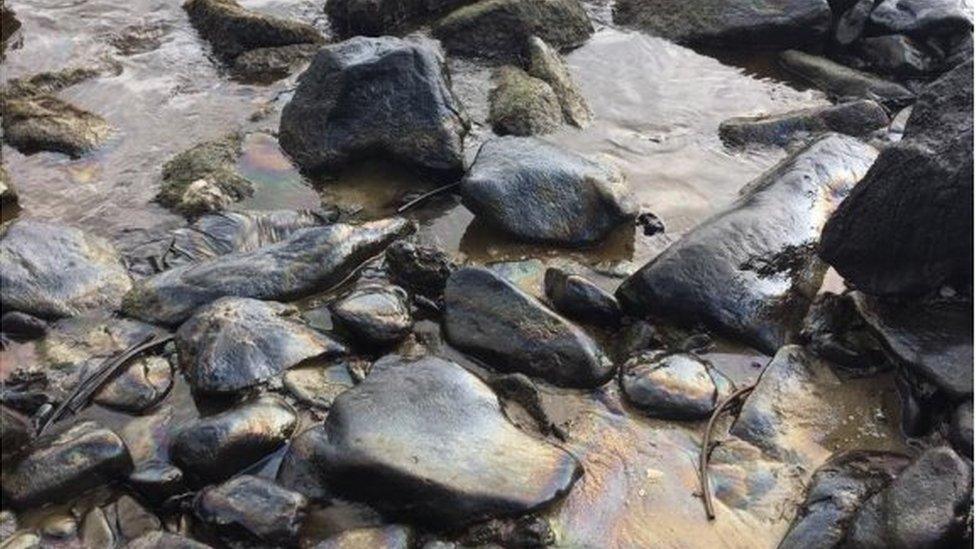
425 196
705 451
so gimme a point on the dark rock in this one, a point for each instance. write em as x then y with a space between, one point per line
95 529
133 519
546 64
232 29
923 507
500 28
35 120
375 314
428 441
580 299
63 465
897 55
922 16
525 532
844 83
521 104
673 385
139 387
836 491
164 540
318 385
961 429
15 432
907 227
767 23
9 24
835 330
265 65
8 193
379 17
369 97
253 508
851 23
216 447
494 320
204 178
236 343
420 269
22 326
53 270
393 536
301 469
311 259
857 118
650 223
539 192
751 271
157 481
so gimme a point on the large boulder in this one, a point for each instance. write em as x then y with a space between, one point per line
539 192
366 97
856 118
520 104
844 83
52 270
379 17
907 227
233 29
494 320
751 270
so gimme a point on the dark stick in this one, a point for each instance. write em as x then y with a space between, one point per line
706 442
425 196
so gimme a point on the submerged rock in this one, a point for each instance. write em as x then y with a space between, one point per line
204 178
52 270
139 387
265 65
539 192
428 441
751 270
35 120
546 64
420 269
580 299
236 343
673 385
252 508
856 118
521 104
374 314
379 17
494 320
232 29
317 385
844 83
393 536
366 97
311 259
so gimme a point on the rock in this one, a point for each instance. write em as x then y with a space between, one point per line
494 320
266 65
164 540
393 536
157 481
421 269
52 270
856 118
218 446
961 429
23 540
673 385
139 387
844 83
35 120
375 314
368 97
924 507
8 194
379 17
834 329
63 465
253 507
309 260
15 432
500 28
300 468
546 64
836 491
232 29
580 299
851 23
748 23
922 16
897 55
539 192
428 441
22 326
907 227
139 38
318 385
751 270
522 105
236 343
204 178
133 519
95 529
58 526
9 24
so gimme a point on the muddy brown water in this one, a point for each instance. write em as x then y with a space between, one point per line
657 107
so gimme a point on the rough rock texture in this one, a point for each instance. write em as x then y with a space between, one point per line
52 270
253 508
961 429
375 314
751 270
521 104
35 120
922 16
236 343
379 17
907 228
539 192
546 64
857 118
204 178
265 65
139 387
369 97
844 83
499 28
742 23
311 259
897 55
428 441
232 29
494 320
673 385
421 269
580 299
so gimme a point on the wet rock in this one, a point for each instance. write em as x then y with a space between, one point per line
525 532
923 507
368 97
23 540
8 194
907 227
133 519
254 508
95 529
521 104
35 120
580 299
9 24
836 492
420 269
751 270
218 446
857 118
232 29
63 465
164 540
673 385
139 387
844 83
157 481
922 16
546 64
961 429
301 468
139 38
309 260
897 55
14 432
58 527
379 17
265 65
374 314
834 329
492 319
428 441
743 23
393 536
236 343
204 178
52 270
499 28
318 385
539 192
22 326
851 23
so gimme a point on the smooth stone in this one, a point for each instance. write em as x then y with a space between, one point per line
961 429
421 269
157 481
236 343
394 536
751 270
545 63
232 29
844 83
428 441
897 55
491 318
309 260
539 192
856 118
60 466
520 104
267 65
922 16
580 299
35 121
300 468
379 17
218 446
164 540
672 385
375 314
95 529
133 519
204 178
318 386
139 387
52 270
375 97
248 506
